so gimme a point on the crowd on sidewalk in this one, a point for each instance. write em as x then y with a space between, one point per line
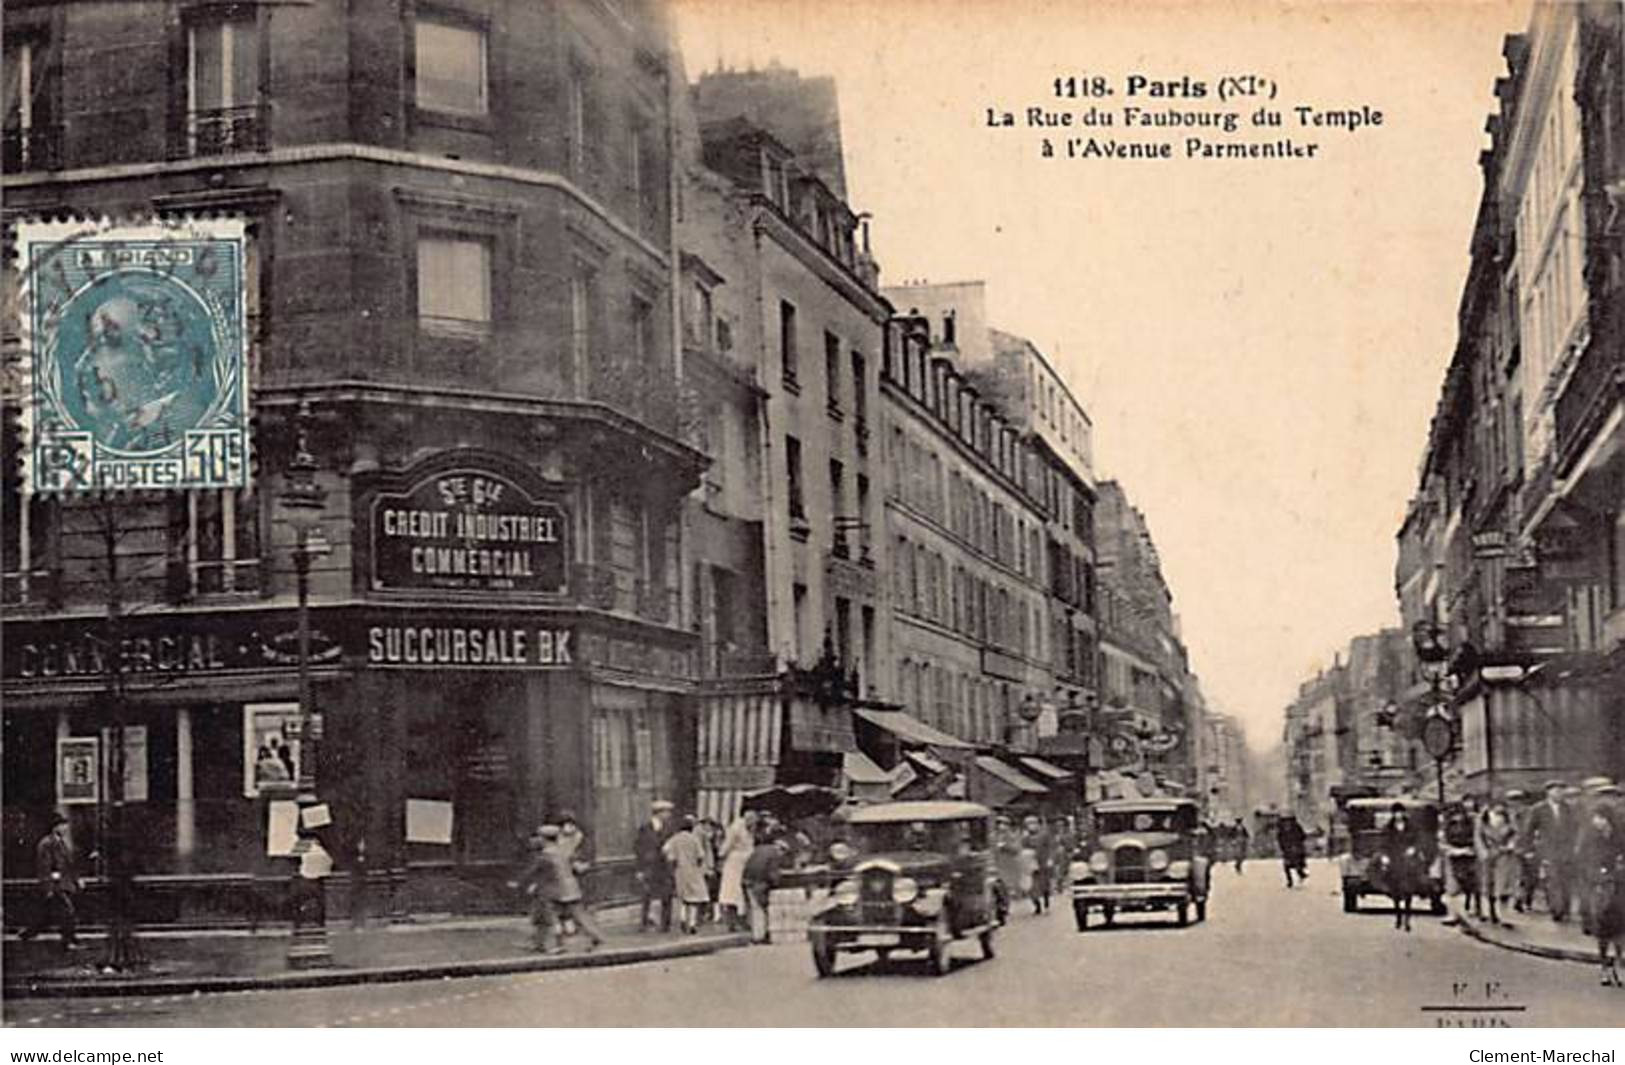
1562 853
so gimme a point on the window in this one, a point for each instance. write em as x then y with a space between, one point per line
832 372
31 142
792 462
579 103
625 551
454 285
798 606
697 320
644 346
837 507
451 68
30 534
223 89
586 322
787 341
214 543
860 390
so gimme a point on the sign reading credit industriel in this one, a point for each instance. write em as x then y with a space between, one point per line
468 530
134 354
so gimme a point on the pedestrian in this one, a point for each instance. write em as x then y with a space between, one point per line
1239 838
539 883
737 844
711 839
1401 866
1519 808
653 872
1289 838
761 876
1551 838
1007 858
1496 844
1037 843
57 865
688 858
1461 854
1602 865
577 851
568 899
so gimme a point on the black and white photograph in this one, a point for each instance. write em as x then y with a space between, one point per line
691 514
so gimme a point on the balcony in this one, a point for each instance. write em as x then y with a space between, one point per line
226 131
1594 387
34 148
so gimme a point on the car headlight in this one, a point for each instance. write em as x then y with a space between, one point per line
1179 870
1099 862
840 852
904 890
1079 871
846 892
1158 860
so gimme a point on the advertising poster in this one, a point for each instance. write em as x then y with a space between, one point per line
270 747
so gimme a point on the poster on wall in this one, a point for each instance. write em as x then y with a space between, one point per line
135 763
77 775
270 747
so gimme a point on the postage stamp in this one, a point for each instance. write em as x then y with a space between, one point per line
134 338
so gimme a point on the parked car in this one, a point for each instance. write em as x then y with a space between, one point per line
920 876
1148 857
1367 821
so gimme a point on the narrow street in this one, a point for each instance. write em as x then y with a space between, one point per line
1266 956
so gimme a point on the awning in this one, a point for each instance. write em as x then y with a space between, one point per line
1010 775
859 768
911 729
926 761
1046 769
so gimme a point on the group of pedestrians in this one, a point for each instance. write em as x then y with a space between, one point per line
1567 849
713 874
1032 857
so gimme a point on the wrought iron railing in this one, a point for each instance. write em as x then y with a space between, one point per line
226 130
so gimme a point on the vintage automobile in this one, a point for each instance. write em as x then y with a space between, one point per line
1367 820
1149 856
917 877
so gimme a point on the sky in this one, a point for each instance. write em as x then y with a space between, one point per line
1260 343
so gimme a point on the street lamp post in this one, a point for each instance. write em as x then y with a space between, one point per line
304 500
1439 729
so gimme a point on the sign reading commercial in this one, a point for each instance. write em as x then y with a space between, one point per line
134 355
468 530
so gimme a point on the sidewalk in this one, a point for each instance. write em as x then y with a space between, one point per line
1531 933
183 962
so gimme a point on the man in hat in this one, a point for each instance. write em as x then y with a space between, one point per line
655 883
577 852
1551 836
1517 804
562 889
540 884
55 864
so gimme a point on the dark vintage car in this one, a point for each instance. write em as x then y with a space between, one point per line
917 877
1367 821
1149 856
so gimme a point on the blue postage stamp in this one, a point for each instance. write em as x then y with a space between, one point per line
135 354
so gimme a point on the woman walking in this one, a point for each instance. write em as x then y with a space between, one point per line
688 857
1401 867
1602 865
736 847
1496 841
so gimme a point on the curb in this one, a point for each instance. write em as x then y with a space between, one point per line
1470 928
394 974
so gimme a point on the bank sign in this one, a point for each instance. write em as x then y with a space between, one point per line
468 530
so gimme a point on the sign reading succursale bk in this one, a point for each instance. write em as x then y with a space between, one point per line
468 529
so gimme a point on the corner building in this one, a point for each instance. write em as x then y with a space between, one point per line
462 259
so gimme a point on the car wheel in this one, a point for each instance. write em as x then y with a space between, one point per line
1080 914
987 945
1351 901
823 955
1182 914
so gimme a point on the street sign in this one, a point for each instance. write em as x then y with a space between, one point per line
1438 736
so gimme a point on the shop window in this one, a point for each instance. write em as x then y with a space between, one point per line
223 112
631 768
214 543
451 67
454 285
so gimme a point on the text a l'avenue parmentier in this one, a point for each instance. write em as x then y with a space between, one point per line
1199 128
